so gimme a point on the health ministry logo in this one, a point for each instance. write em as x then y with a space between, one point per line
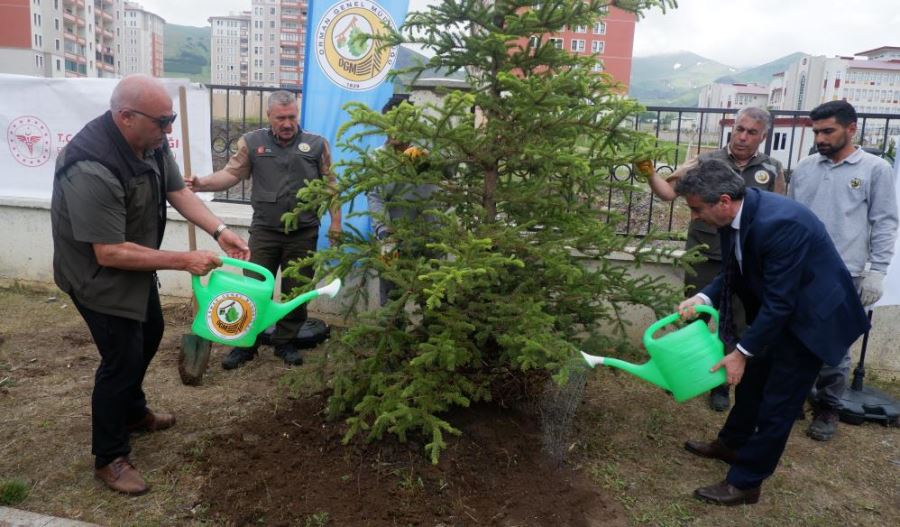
350 63
29 141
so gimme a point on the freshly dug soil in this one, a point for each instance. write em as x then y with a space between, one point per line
291 469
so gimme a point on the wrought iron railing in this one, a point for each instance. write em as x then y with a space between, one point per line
685 132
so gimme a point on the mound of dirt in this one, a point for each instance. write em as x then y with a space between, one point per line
291 469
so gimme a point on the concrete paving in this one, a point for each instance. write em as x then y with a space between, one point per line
18 518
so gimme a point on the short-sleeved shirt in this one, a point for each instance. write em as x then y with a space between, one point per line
88 207
760 172
279 171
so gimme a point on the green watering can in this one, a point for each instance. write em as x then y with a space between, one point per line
235 308
680 360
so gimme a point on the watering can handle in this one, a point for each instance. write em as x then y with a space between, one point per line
268 279
663 322
234 262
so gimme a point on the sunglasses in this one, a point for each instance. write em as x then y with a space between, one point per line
162 122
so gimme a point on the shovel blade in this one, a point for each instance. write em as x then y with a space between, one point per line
193 359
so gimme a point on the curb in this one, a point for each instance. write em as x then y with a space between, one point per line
18 518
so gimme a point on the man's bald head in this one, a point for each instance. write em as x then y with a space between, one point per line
142 110
136 91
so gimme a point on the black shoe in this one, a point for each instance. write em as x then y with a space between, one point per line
289 353
714 449
237 357
718 399
723 493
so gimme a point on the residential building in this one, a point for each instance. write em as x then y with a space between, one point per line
611 38
277 35
143 42
79 38
229 49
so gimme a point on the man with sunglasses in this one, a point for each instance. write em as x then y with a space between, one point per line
280 160
108 214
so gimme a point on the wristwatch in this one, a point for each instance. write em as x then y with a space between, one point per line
218 232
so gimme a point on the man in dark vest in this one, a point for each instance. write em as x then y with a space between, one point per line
108 214
280 160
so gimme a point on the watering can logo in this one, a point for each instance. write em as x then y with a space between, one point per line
230 315
235 308
679 361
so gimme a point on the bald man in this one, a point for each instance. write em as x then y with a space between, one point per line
108 214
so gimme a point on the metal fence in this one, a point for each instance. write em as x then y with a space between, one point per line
683 132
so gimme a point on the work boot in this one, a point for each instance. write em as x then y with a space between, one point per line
289 353
824 425
718 398
121 476
237 357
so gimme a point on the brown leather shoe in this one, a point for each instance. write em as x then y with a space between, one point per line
121 476
714 450
152 422
723 493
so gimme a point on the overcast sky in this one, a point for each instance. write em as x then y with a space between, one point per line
752 32
734 32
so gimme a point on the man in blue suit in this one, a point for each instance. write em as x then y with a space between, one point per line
802 311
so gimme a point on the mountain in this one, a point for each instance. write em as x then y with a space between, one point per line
673 79
186 52
763 74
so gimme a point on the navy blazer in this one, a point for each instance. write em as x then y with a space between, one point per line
792 280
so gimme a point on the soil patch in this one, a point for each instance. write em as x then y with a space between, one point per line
290 469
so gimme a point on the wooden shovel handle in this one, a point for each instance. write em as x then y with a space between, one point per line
186 160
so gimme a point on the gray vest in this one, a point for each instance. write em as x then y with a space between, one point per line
278 172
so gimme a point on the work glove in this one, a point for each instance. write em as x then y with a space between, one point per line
871 287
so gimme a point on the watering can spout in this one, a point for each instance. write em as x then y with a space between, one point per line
592 360
278 311
647 371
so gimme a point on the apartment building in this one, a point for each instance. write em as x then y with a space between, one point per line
275 51
229 49
870 83
143 42
79 38
611 38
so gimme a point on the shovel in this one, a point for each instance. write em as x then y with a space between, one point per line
194 356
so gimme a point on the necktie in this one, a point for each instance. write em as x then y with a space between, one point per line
727 328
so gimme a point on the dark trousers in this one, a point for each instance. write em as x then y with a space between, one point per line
273 249
126 348
767 401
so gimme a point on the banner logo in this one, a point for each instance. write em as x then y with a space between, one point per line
230 315
350 63
29 141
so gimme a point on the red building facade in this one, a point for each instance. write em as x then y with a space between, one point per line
611 38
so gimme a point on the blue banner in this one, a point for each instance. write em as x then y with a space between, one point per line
339 70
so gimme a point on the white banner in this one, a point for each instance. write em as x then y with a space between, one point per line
891 295
41 115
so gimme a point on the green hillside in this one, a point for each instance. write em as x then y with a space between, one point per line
187 52
763 74
673 79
